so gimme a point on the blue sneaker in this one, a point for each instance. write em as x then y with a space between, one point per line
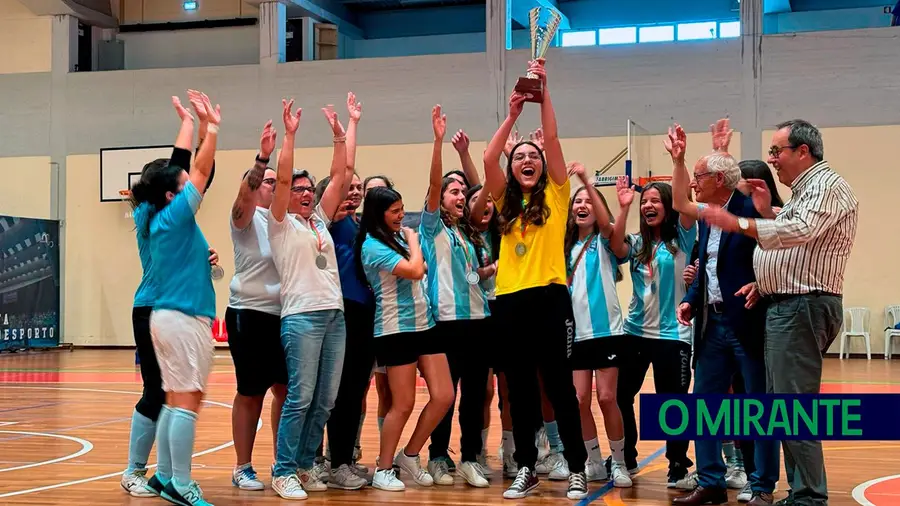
193 496
244 478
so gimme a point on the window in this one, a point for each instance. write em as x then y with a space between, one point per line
624 35
729 29
657 34
585 38
696 31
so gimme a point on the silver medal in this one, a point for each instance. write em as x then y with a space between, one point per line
520 249
217 272
472 278
321 262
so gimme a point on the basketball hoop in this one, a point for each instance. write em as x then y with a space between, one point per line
125 194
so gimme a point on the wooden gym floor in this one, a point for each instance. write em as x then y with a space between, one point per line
65 419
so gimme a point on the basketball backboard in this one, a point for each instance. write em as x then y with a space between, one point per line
120 168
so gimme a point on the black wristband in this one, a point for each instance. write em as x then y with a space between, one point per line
261 159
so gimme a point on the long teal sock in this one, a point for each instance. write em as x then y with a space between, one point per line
143 433
553 436
163 455
181 444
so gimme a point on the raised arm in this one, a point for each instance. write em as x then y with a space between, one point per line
439 124
676 143
494 176
603 218
721 133
206 155
186 133
461 143
414 268
336 190
556 162
285 161
245 202
354 110
625 194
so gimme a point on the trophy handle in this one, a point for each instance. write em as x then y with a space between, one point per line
532 88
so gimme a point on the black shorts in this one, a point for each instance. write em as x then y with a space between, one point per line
254 340
402 349
598 353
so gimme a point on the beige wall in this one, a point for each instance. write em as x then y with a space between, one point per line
25 186
157 11
25 39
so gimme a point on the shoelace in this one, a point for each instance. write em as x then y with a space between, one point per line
521 479
577 481
479 468
292 484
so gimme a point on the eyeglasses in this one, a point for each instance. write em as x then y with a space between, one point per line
776 150
697 177
302 189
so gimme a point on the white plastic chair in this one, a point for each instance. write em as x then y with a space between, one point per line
891 319
859 327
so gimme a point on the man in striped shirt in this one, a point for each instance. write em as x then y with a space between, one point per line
799 265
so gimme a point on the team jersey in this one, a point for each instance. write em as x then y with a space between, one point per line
180 256
658 288
595 301
451 257
490 284
401 305
255 284
145 296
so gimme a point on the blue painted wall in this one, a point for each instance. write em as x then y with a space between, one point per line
825 5
607 13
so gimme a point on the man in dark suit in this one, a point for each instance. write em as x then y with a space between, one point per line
728 323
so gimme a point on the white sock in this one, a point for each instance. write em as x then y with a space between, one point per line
593 450
618 450
509 444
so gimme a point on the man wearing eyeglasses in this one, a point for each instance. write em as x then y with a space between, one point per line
799 265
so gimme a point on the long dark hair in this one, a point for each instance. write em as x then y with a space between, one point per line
758 169
537 211
668 230
493 229
157 178
378 201
572 227
387 181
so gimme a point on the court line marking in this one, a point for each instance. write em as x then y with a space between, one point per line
5 424
67 429
118 473
36 406
605 489
859 493
86 446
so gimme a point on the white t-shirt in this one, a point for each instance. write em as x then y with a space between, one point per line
295 246
255 284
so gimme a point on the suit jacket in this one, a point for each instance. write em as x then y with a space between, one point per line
734 269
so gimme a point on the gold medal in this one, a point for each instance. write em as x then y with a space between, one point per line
521 249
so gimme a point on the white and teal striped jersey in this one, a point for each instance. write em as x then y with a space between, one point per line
490 284
451 256
401 305
593 288
658 288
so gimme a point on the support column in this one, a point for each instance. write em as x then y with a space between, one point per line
751 77
308 44
499 40
272 33
64 51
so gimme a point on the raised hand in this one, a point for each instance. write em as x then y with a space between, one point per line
624 191
291 121
460 141
267 140
719 217
511 141
183 113
721 135
537 137
331 115
576 169
676 142
354 107
516 104
761 196
438 122
537 67
213 114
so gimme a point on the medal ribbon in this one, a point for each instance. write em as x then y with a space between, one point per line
465 247
522 218
587 243
320 244
650 262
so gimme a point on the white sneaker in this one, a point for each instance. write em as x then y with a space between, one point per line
344 478
244 478
135 483
555 466
510 467
439 470
689 482
746 493
735 477
473 473
311 481
620 476
542 444
288 487
386 479
595 471
413 466
482 460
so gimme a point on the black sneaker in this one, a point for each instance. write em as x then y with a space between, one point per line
676 472
156 484
577 486
525 482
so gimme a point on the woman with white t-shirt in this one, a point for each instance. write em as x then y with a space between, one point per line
313 331
253 316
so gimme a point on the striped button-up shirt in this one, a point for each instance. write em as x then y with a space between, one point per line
806 247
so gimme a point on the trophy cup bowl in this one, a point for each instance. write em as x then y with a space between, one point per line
541 37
